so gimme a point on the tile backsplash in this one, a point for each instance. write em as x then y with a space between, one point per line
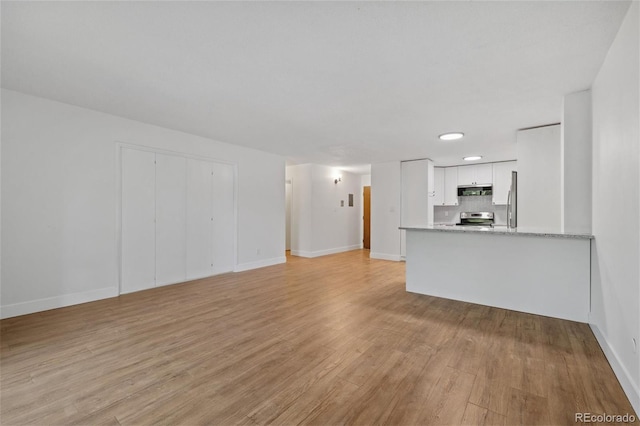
451 214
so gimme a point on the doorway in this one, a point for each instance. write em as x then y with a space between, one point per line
366 218
288 194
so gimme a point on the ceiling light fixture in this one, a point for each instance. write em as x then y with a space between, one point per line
452 136
472 158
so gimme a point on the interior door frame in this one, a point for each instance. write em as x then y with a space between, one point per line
118 171
363 216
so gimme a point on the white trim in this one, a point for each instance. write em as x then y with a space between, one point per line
310 254
38 305
624 377
385 256
260 264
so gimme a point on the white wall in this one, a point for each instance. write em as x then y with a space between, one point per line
576 162
385 210
615 274
320 224
59 187
539 178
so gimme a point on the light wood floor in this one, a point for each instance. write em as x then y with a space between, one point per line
329 340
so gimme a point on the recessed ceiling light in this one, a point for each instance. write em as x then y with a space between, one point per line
472 158
451 136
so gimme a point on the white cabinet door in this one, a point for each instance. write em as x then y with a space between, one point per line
171 191
414 193
502 181
199 245
223 218
477 174
138 263
438 177
466 175
451 186
483 174
430 192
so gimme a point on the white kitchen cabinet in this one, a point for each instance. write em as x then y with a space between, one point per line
416 193
451 186
502 180
477 174
438 184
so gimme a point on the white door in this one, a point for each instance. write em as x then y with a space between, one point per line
138 228
171 182
199 246
223 218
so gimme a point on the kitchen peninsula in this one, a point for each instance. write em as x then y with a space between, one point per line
527 270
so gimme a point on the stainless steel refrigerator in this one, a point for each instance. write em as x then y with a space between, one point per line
512 202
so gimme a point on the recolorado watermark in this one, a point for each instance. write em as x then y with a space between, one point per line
604 418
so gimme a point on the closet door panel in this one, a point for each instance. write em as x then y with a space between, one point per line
137 226
199 219
223 218
171 190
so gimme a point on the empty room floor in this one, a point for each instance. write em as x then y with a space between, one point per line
330 340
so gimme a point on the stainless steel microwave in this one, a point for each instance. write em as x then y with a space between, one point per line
473 191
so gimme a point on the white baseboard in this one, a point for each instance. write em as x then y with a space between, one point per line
385 256
626 381
259 264
305 253
24 308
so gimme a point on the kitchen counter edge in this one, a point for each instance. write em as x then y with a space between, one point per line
497 231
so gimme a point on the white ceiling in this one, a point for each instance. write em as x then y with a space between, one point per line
336 83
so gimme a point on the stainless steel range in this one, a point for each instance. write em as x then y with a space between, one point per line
478 219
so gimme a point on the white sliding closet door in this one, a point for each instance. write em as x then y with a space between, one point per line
171 223
138 227
223 218
199 219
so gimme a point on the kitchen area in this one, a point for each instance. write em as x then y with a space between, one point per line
495 233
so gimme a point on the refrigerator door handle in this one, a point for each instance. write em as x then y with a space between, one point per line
509 209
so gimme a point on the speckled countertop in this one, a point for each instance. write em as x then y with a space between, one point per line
499 230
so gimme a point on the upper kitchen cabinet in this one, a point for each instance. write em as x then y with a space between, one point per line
502 180
451 186
417 193
438 198
477 174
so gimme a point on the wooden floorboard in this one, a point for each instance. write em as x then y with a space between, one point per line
330 340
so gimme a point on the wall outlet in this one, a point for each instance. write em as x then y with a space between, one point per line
257 251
